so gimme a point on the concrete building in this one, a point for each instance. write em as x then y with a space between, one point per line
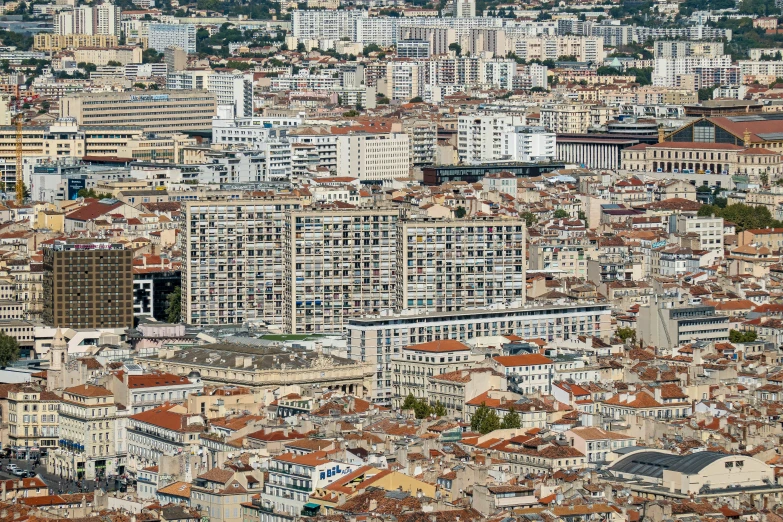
251 287
373 157
326 25
164 112
163 36
415 364
527 373
584 48
666 326
340 263
446 266
708 229
88 285
87 435
528 144
480 138
566 118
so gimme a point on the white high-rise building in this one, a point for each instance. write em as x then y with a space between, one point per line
326 25
480 137
107 19
235 90
162 36
101 19
379 30
526 143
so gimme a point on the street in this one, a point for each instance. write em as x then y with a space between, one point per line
55 483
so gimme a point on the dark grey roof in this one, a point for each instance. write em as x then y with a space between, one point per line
651 463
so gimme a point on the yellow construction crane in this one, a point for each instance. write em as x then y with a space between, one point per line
18 120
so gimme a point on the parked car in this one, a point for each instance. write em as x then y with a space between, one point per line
12 467
20 473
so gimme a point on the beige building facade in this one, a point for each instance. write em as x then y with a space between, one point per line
163 112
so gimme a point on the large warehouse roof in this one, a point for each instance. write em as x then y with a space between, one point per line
651 463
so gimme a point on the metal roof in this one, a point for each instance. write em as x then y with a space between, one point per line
652 463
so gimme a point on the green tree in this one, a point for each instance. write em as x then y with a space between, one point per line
747 336
560 214
87 67
422 409
489 423
371 48
530 218
460 212
511 420
416 99
703 188
478 417
409 402
457 48
746 217
705 93
439 409
114 63
174 308
764 178
351 114
582 216
626 333
9 350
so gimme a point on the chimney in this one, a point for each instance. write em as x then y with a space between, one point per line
658 397
373 505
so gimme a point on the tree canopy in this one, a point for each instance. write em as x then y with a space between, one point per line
174 308
747 336
9 350
746 217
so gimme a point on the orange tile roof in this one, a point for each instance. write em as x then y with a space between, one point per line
441 346
528 359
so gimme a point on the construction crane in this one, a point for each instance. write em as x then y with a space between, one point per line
18 120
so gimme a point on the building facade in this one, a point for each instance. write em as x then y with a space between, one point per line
88 285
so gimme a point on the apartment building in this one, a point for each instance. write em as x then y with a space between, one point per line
145 391
234 272
164 112
450 265
340 263
373 157
293 478
708 229
57 42
423 140
566 118
669 72
165 430
378 30
667 326
526 143
222 492
87 284
480 137
416 364
162 36
584 48
567 257
686 49
454 389
326 25
87 434
527 373
33 418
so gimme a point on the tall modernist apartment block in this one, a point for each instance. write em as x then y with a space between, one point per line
309 269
